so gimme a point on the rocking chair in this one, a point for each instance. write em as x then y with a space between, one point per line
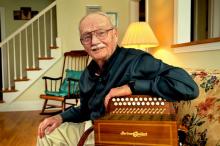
67 85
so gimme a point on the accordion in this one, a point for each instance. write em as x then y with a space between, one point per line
137 120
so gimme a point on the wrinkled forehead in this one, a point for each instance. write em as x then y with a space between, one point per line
93 22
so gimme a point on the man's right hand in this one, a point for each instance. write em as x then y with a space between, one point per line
49 124
117 92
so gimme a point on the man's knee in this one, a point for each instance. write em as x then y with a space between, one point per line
66 134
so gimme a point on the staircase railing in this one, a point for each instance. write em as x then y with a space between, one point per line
22 50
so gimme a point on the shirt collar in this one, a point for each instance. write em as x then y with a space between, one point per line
93 66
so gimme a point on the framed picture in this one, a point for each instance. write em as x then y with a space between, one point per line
114 17
25 13
92 8
17 15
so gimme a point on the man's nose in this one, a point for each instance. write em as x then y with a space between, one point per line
95 39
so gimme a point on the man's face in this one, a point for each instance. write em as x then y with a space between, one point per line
98 37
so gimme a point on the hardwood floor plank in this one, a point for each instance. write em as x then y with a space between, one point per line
19 128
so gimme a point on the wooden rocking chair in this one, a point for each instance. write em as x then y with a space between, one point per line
66 86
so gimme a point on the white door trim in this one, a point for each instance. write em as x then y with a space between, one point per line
2 20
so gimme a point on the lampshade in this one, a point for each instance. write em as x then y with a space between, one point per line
139 35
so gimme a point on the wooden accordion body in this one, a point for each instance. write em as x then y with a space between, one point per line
137 120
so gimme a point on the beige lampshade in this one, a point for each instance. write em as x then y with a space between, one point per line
139 35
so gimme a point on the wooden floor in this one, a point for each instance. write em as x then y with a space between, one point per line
19 128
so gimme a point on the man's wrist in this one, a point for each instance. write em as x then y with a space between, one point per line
59 117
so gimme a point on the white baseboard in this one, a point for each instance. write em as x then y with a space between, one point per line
22 106
28 105
198 47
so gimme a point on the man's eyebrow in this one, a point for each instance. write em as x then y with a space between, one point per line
101 28
88 32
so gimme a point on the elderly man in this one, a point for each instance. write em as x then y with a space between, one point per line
113 71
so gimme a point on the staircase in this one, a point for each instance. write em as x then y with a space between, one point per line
28 53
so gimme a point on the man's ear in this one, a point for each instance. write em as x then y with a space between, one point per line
115 32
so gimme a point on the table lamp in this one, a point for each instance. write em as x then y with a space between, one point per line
139 35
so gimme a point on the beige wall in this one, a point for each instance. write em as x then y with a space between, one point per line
161 21
161 18
10 5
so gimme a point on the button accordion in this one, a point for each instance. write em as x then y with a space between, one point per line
137 120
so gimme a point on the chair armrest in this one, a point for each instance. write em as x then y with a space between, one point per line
52 81
51 78
85 136
72 79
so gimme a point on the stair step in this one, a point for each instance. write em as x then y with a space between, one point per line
9 90
23 79
45 58
33 69
53 47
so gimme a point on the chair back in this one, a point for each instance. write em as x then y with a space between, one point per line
74 60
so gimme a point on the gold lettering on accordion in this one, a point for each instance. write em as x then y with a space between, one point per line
134 134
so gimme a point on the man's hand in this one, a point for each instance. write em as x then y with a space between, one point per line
48 125
118 91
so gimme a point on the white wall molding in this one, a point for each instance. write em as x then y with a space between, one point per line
198 48
182 21
2 18
28 105
22 106
134 10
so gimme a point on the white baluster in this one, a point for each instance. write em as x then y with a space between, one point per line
26 37
9 70
21 69
15 71
45 36
33 49
51 27
38 36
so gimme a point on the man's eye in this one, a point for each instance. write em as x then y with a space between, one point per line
101 33
86 37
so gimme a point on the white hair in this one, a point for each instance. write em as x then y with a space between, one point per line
99 13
